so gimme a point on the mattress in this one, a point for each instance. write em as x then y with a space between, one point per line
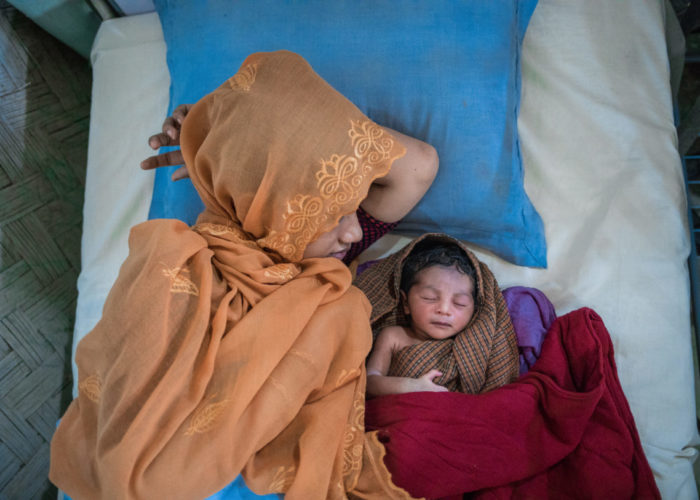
599 150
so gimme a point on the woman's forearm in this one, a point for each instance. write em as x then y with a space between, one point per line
391 197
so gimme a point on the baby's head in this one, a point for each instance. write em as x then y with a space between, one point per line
438 290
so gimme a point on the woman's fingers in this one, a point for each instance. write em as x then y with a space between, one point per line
180 112
171 130
180 173
157 141
163 160
170 134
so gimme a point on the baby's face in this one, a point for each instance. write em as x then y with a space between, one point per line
440 303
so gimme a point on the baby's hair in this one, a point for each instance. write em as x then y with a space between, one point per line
435 254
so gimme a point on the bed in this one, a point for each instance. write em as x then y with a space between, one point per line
597 144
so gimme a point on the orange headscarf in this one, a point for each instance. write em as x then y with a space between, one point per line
221 350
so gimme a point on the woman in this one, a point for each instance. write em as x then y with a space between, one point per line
238 345
389 199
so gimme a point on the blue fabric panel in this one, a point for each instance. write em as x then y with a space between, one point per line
447 72
237 490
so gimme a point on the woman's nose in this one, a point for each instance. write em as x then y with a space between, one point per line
352 231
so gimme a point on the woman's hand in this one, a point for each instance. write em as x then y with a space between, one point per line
170 136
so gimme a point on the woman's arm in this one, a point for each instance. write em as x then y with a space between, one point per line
391 197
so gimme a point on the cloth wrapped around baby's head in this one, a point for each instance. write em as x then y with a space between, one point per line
481 357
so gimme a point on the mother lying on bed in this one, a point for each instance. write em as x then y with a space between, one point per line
235 345
238 345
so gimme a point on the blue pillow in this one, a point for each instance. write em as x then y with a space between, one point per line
446 72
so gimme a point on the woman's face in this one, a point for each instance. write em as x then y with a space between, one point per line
337 241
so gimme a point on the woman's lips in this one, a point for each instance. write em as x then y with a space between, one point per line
340 255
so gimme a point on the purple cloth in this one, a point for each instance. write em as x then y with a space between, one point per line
532 314
364 266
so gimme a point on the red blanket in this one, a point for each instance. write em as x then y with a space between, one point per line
564 430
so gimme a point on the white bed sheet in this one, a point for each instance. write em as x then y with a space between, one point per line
601 166
129 102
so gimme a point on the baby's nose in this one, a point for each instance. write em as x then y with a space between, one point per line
444 307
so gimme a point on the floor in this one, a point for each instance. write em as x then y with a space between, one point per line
44 119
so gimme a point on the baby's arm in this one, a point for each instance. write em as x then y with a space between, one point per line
389 341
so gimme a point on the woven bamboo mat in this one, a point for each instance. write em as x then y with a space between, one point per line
44 115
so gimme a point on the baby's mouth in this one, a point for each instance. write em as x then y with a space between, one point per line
442 324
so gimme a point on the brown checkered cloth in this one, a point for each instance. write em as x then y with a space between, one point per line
481 357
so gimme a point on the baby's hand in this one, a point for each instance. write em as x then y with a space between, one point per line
170 136
426 384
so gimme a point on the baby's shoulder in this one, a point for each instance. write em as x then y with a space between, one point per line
394 336
393 331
